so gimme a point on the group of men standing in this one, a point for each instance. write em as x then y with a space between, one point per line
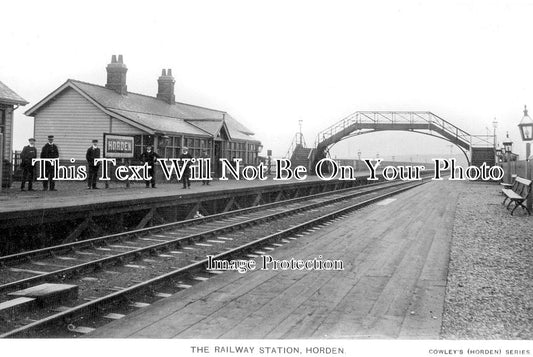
51 151
150 157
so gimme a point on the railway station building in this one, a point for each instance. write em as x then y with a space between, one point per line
78 112
9 102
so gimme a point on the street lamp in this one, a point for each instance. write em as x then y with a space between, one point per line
526 130
508 147
526 127
494 125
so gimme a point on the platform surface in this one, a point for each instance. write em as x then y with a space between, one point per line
395 258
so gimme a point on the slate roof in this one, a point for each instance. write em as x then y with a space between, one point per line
157 114
7 96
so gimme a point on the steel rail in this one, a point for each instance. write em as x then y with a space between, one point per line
5 260
125 257
98 304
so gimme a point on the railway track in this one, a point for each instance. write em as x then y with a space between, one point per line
119 273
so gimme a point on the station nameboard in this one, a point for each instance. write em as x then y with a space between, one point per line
118 146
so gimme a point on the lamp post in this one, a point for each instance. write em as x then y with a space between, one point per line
269 161
494 126
508 149
526 131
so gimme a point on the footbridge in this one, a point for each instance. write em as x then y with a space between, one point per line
476 148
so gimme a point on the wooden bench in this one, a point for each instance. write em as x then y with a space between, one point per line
509 185
518 193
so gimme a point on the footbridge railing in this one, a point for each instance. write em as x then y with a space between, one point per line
400 120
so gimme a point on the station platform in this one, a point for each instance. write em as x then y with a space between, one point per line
71 193
395 255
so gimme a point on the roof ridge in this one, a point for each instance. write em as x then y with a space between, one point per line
160 115
147 96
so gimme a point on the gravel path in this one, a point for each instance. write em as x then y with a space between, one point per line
489 294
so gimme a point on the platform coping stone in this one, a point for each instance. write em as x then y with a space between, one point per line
139 304
114 316
83 329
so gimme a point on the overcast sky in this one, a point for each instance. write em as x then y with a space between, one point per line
272 63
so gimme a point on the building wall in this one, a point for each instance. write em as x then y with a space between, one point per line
75 122
8 133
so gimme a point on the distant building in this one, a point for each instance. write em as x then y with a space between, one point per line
77 112
9 101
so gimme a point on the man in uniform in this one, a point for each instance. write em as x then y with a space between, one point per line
49 151
28 153
186 179
92 153
150 157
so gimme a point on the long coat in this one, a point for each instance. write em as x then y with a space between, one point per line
92 153
49 151
28 153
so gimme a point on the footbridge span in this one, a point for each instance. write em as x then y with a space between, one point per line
476 148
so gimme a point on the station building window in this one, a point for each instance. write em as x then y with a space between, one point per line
173 147
140 142
196 145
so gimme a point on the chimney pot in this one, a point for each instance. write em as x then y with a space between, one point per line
165 90
116 75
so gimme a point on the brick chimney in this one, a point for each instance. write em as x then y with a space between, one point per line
165 88
116 75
